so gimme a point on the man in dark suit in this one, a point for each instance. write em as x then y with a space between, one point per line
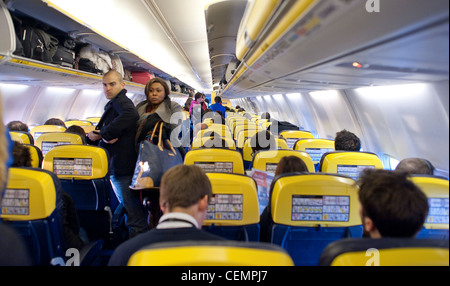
184 195
116 132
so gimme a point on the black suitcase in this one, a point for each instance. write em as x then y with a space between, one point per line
64 57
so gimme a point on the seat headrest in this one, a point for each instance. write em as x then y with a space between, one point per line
40 129
268 160
301 199
386 252
47 141
216 160
211 253
234 202
315 147
437 191
22 137
30 194
77 162
349 163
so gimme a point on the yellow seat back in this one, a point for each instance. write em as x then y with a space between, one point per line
211 253
77 161
315 199
243 135
234 202
386 252
293 135
94 120
77 122
22 137
40 129
268 160
216 160
47 141
349 163
36 155
437 191
238 122
29 195
242 127
225 133
315 147
207 142
247 149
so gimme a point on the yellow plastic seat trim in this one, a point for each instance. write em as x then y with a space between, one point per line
313 185
41 201
209 256
274 156
433 187
99 168
236 185
215 155
395 257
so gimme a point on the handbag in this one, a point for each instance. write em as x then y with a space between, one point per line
155 158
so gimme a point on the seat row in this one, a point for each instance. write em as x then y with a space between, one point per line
302 227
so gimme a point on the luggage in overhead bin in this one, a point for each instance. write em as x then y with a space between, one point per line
117 64
141 77
64 57
100 59
231 69
37 44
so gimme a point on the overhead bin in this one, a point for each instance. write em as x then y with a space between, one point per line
222 22
312 45
256 15
17 69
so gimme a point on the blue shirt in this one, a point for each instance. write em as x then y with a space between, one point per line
219 107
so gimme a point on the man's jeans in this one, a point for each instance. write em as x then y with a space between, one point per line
136 213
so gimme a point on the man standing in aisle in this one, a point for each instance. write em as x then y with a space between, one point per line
116 132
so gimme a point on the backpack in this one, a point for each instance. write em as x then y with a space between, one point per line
37 44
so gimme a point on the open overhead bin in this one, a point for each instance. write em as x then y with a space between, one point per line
19 69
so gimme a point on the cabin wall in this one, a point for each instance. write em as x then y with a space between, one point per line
405 121
35 104
392 121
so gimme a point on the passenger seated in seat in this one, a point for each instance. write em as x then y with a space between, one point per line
13 250
215 140
55 121
77 130
17 125
391 205
415 166
262 140
287 164
278 126
184 195
22 158
346 141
